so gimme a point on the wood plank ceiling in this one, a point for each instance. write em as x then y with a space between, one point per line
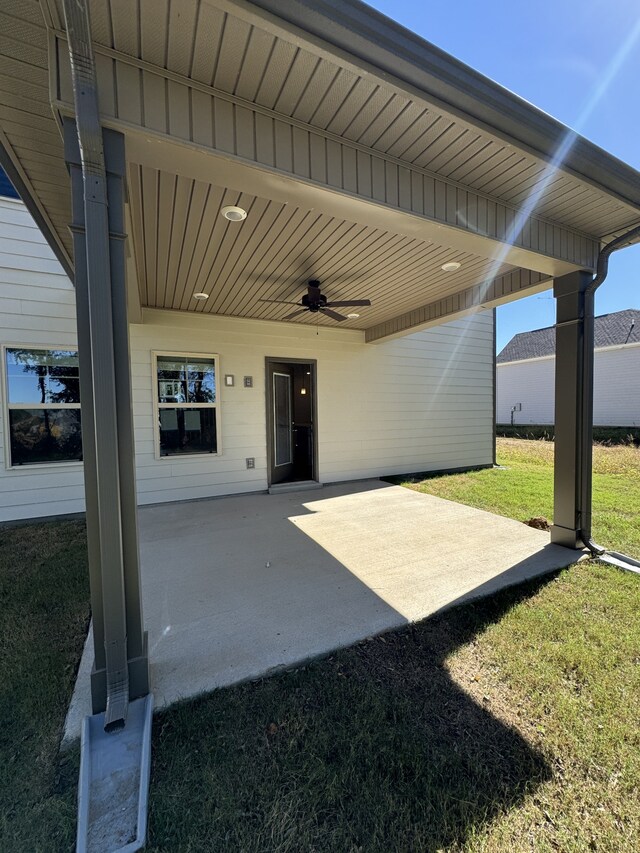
183 245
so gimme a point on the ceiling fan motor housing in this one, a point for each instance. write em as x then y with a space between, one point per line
312 301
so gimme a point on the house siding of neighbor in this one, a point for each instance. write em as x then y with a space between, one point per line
522 378
419 403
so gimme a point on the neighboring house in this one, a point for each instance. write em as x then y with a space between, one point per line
380 410
525 374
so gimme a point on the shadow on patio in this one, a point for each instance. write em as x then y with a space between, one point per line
239 587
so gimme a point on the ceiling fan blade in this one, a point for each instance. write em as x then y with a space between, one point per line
279 301
295 314
333 314
353 303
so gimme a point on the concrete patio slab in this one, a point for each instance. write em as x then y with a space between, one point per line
235 588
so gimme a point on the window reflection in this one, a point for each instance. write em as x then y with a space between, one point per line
42 376
45 435
187 431
184 381
43 391
187 405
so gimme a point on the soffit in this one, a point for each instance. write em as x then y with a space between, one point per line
240 50
27 125
182 245
208 43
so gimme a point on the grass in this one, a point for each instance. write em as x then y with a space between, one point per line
507 725
524 488
43 621
503 726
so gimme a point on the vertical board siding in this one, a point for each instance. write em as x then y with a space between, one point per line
232 49
486 295
423 402
616 389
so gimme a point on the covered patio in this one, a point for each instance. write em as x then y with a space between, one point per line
140 136
238 587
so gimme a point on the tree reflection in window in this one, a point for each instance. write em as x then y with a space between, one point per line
43 393
187 402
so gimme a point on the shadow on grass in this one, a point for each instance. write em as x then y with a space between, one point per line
375 749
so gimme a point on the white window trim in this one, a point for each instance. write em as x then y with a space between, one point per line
36 466
157 405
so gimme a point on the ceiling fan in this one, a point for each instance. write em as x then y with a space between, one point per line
315 301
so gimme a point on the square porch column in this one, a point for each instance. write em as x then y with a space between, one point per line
107 431
573 409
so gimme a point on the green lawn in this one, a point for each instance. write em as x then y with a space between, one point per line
524 488
507 725
44 615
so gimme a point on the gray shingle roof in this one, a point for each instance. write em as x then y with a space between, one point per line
621 327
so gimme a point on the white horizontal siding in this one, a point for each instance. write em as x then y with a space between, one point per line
616 389
419 403
37 307
529 383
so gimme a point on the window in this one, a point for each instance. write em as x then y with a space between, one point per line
43 401
187 404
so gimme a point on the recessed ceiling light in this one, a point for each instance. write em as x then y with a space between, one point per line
201 296
234 214
451 266
353 316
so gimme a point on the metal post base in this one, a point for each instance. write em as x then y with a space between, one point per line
138 680
566 537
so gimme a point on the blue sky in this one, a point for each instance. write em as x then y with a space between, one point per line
553 53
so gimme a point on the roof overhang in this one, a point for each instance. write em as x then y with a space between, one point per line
386 47
366 157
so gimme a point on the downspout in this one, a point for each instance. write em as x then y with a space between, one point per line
94 177
602 270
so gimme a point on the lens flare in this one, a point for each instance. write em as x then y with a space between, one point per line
546 176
